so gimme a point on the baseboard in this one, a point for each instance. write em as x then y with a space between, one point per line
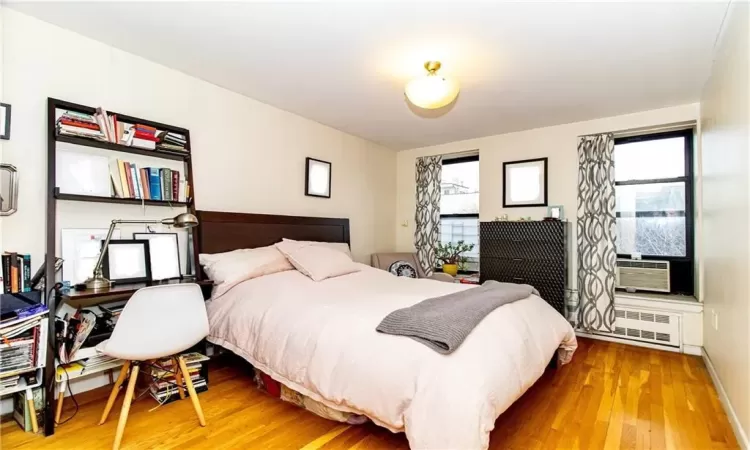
695 350
739 433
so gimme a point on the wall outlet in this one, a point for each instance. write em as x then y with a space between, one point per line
714 319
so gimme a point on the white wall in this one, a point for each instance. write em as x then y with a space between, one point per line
247 156
558 143
726 202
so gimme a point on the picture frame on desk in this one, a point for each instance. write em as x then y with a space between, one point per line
164 253
127 261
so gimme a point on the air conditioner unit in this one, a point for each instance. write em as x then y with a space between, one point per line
644 275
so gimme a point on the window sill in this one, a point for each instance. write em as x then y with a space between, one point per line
661 302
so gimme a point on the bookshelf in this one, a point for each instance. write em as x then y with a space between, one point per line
117 150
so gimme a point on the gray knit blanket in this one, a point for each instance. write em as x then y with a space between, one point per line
442 323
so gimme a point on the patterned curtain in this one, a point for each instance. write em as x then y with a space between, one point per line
427 218
597 254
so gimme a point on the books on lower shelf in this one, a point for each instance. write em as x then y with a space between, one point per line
94 364
23 348
147 183
163 386
105 126
22 412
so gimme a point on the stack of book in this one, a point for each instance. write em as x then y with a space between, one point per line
77 124
164 385
16 273
24 341
171 141
90 365
143 136
147 183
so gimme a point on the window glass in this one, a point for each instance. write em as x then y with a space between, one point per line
653 236
460 188
646 160
648 198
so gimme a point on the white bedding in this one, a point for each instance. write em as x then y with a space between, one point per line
319 339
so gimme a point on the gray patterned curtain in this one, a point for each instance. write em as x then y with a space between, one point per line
427 218
597 254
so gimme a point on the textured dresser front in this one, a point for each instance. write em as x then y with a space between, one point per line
532 253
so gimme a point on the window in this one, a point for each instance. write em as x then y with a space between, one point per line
654 201
459 206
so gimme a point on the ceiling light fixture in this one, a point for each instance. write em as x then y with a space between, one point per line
432 91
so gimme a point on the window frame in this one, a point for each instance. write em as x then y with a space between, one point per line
688 261
459 160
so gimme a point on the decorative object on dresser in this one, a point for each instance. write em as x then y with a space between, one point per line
525 183
403 264
528 252
317 178
555 213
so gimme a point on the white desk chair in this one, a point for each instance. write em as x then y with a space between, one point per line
157 322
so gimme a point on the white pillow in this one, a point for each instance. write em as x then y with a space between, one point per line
340 246
231 268
317 262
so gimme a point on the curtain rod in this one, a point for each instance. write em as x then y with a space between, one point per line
648 130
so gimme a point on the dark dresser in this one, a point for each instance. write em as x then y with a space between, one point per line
534 253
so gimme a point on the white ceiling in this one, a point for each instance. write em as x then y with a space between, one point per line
520 65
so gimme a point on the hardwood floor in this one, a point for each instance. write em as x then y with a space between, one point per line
610 396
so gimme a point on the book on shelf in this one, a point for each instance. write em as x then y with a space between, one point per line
105 126
16 273
24 344
148 183
22 412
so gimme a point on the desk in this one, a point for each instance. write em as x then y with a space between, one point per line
89 297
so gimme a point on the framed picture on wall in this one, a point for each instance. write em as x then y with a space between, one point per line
525 183
317 178
4 121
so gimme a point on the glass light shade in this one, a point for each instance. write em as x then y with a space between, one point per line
431 91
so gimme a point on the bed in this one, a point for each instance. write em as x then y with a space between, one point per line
319 339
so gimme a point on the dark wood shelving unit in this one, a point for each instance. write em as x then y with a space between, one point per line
177 156
54 195
124 201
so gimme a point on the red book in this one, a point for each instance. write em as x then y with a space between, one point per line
129 176
146 136
76 123
145 127
175 186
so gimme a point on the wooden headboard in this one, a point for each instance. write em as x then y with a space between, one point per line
223 231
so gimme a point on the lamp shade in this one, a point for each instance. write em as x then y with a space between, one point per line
431 91
184 220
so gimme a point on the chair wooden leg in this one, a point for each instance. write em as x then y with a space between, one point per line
58 411
178 377
115 391
126 406
191 391
32 410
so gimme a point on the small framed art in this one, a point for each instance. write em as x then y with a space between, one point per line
525 183
4 121
127 261
164 254
555 213
317 178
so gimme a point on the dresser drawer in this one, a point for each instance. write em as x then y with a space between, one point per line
523 231
528 249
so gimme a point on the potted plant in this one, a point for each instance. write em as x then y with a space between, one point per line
450 255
